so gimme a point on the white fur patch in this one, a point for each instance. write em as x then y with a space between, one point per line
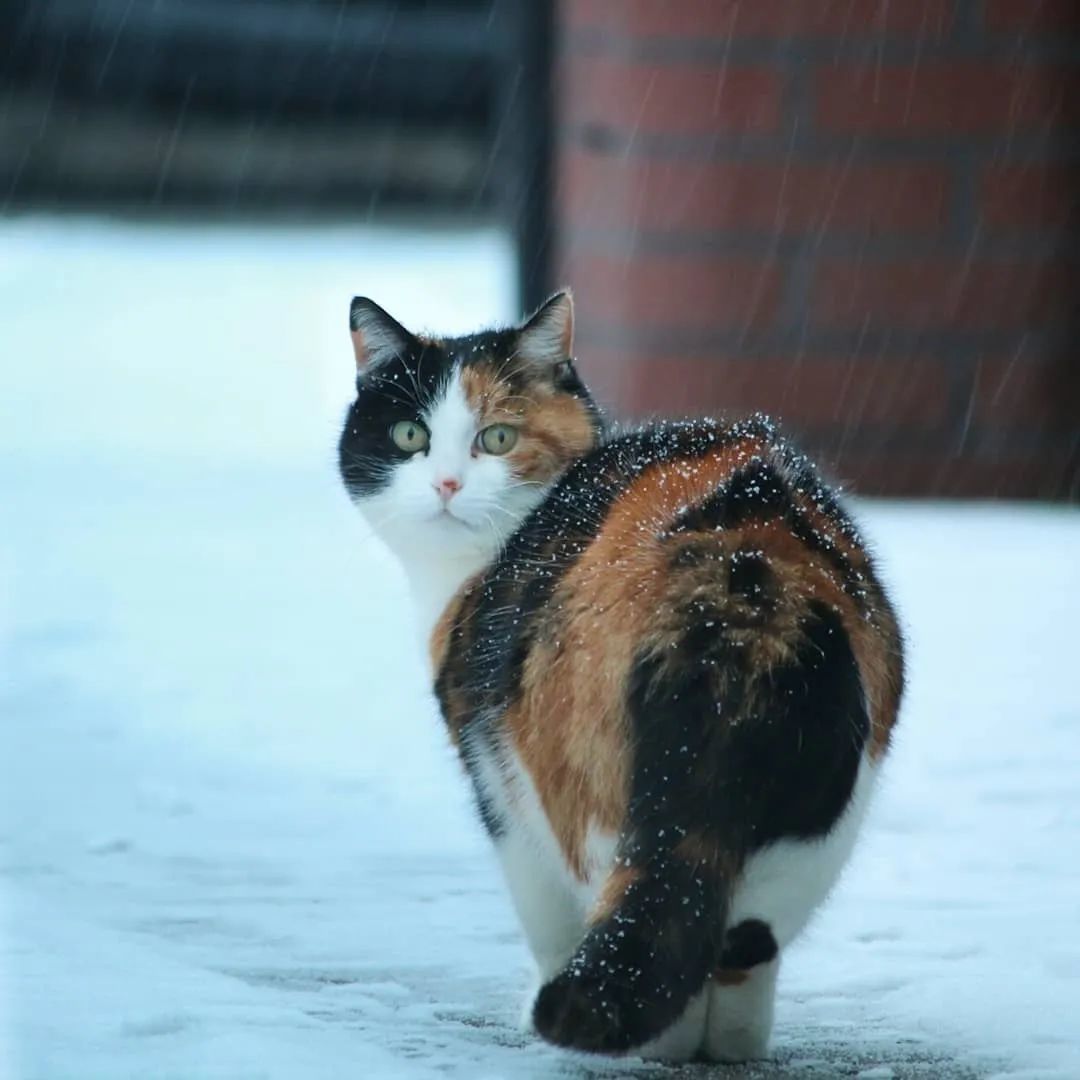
783 884
441 545
740 1018
453 426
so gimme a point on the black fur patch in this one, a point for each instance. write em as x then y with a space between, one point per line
747 945
806 757
399 389
492 821
749 577
763 490
755 491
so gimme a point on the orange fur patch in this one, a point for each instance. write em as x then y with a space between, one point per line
569 731
618 881
555 429
730 976
706 852
875 641
457 612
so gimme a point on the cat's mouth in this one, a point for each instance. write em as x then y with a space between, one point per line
447 514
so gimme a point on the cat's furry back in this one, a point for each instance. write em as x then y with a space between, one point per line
683 652
671 687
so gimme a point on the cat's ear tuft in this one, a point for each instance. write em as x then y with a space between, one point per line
377 336
548 336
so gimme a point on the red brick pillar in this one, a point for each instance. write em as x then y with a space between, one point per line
858 215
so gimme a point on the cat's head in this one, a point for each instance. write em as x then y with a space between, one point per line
452 441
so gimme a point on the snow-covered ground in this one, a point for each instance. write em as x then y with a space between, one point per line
233 842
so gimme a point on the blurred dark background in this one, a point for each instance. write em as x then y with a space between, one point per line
860 215
295 107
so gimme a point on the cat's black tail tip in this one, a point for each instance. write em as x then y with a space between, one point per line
578 1013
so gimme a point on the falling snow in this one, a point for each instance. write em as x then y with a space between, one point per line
232 838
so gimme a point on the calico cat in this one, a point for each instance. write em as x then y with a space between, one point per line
665 660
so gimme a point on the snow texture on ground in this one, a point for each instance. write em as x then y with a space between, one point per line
233 842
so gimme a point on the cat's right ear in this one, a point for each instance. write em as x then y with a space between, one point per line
547 338
376 336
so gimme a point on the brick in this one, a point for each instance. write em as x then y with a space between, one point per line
648 98
943 293
1033 393
760 18
1029 196
808 393
688 292
1032 16
690 196
882 425
943 98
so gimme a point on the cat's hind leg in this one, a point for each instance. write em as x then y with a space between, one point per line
740 1013
547 899
683 1040
549 910
778 893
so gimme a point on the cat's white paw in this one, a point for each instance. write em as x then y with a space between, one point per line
737 1044
683 1039
740 1017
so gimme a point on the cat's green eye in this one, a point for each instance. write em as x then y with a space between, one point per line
410 436
497 439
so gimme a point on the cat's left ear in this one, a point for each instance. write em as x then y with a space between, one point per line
547 337
376 335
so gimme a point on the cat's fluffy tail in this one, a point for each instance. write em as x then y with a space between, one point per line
639 965
657 928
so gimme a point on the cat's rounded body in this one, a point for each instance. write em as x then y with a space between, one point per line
671 683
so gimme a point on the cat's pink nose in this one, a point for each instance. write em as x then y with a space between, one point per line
447 488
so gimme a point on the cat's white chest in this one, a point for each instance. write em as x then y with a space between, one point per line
432 585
